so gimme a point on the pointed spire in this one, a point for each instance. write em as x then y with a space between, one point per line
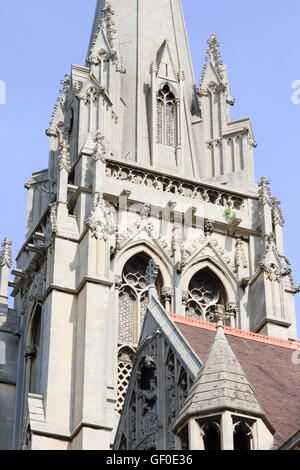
213 57
6 253
221 384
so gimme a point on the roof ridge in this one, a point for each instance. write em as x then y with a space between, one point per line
283 343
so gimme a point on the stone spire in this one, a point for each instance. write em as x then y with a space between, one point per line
221 384
138 32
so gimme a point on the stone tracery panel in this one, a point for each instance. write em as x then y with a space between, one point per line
205 291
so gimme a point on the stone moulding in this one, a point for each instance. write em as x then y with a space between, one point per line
168 184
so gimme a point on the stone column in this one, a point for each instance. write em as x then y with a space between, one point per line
195 436
227 432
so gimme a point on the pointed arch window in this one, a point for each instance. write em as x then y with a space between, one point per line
35 352
205 292
133 302
210 431
133 298
166 117
243 436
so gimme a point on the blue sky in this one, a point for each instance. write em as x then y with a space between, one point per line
259 43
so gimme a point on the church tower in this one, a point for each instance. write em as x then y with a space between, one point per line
144 164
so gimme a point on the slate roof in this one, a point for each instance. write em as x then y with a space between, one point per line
268 364
221 385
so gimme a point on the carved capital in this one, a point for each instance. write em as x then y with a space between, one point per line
167 293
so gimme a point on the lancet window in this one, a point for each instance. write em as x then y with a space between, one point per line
33 352
166 117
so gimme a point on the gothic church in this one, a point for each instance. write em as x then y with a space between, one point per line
153 302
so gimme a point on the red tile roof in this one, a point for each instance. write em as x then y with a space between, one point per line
269 365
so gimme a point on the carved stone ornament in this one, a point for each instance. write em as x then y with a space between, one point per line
101 221
30 352
209 226
272 271
219 315
232 309
152 273
6 253
277 215
64 160
91 95
240 257
167 293
264 191
100 149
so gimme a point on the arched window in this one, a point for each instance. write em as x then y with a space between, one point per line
166 117
133 298
36 351
211 433
133 302
205 291
242 436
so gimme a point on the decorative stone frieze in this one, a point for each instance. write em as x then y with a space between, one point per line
167 184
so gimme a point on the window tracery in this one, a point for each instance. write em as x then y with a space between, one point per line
166 117
133 302
205 291
125 365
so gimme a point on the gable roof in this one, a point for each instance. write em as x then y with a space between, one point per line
268 363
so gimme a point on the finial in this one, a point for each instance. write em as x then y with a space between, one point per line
64 161
219 315
213 56
151 273
264 192
6 253
99 149
277 215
